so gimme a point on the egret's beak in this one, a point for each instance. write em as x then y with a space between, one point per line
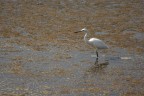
77 31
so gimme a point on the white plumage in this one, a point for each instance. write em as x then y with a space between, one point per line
95 42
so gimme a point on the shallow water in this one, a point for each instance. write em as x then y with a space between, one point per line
41 56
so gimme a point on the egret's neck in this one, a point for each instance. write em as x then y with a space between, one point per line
85 37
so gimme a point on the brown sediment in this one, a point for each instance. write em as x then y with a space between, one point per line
37 40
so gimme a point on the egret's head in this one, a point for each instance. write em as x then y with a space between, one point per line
83 30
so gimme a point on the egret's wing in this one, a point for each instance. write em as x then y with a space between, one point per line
97 43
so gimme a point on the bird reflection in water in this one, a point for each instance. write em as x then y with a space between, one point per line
104 64
98 67
94 71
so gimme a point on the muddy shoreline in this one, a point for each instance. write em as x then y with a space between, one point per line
41 56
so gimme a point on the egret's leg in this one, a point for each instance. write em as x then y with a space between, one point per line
97 53
96 62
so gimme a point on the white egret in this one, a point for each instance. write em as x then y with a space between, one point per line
95 42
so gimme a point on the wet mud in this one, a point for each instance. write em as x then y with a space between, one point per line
41 56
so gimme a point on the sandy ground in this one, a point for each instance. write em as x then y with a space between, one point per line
40 55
